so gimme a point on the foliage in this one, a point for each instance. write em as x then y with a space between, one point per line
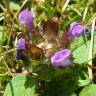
32 73
21 85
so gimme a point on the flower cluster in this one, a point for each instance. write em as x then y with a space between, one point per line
26 18
61 58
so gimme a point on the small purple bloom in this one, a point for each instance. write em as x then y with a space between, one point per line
75 30
61 58
26 17
20 48
21 44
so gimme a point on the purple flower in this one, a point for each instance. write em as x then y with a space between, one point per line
75 30
26 17
20 48
21 44
61 58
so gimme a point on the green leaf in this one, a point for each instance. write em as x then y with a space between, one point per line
75 10
73 94
33 65
77 43
88 90
49 10
82 52
14 6
45 72
21 85
84 82
61 86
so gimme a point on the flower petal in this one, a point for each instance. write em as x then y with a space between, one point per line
61 58
21 44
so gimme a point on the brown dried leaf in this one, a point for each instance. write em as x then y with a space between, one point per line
35 52
50 28
35 30
64 42
37 39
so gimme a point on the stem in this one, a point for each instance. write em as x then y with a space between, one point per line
4 74
3 55
7 67
65 5
24 3
85 13
91 50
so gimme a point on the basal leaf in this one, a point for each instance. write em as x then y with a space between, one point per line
88 90
21 85
84 82
82 52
